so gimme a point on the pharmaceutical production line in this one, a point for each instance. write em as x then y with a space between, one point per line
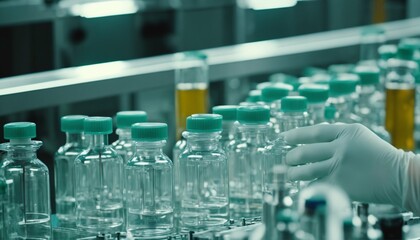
225 64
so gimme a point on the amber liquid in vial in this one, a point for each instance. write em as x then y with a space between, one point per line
191 98
399 119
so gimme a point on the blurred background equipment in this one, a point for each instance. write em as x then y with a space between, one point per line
175 58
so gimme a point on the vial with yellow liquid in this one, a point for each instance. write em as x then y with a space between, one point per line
191 97
400 99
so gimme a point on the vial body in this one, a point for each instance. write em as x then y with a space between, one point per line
124 146
246 170
64 159
99 188
149 193
203 182
28 214
400 103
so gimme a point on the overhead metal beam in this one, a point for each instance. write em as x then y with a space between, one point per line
32 91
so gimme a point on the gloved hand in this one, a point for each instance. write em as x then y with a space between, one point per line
355 159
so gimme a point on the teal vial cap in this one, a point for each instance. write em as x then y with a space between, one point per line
73 123
314 93
405 52
262 85
413 43
127 118
149 132
343 84
368 75
98 125
254 96
253 114
329 112
311 71
204 123
284 78
336 69
387 51
294 104
228 112
19 130
275 92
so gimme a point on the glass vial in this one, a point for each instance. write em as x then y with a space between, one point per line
245 157
203 171
124 145
28 189
344 98
317 96
400 99
65 201
228 113
271 96
149 184
99 181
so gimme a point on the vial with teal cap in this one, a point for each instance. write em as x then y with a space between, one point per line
124 145
371 107
344 98
330 115
317 96
271 96
28 184
372 37
386 52
65 201
150 184
99 181
287 79
228 113
254 96
400 98
293 114
203 171
245 158
3 209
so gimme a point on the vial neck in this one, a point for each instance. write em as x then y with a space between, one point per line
21 149
202 141
76 139
228 130
145 150
367 89
98 140
254 133
124 133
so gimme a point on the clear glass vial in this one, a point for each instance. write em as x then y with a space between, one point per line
271 96
317 96
344 98
371 101
228 113
203 171
65 201
28 184
149 184
293 114
245 158
99 181
124 145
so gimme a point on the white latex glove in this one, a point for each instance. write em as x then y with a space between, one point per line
355 159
